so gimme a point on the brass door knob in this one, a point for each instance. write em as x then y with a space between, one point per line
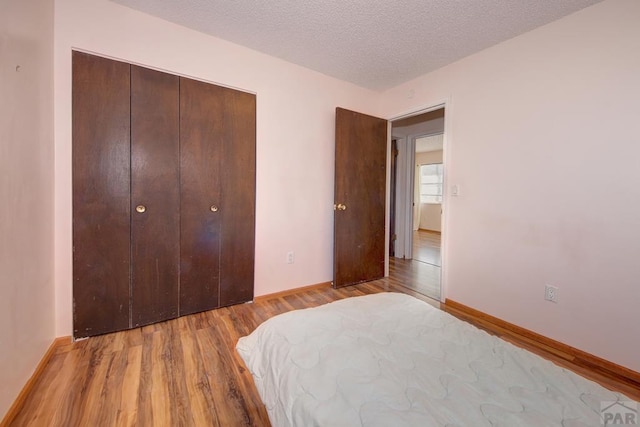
140 208
214 208
340 207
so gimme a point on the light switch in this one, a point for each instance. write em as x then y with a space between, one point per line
455 190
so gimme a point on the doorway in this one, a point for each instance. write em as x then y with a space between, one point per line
418 192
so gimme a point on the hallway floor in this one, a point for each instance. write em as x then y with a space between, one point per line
424 268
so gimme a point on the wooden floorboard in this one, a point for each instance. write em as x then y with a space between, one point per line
426 247
183 372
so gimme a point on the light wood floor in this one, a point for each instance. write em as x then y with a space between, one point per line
183 372
418 276
426 247
425 267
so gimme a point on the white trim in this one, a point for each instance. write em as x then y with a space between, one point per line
446 202
409 196
401 197
447 104
420 110
387 202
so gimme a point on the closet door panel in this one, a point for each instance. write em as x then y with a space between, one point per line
155 197
238 180
201 116
101 162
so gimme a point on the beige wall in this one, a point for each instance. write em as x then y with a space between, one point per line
26 191
526 125
428 157
528 122
295 135
428 214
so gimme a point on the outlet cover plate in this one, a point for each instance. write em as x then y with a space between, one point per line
551 293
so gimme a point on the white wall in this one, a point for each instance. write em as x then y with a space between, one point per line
429 217
26 191
529 121
295 135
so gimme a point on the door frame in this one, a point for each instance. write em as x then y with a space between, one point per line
406 199
446 143
393 170
405 214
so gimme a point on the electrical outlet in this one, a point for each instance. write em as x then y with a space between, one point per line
551 293
290 257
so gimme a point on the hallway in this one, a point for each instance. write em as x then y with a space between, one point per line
426 247
422 273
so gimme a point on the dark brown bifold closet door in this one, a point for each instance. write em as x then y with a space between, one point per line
155 196
101 198
238 178
217 161
201 118
163 195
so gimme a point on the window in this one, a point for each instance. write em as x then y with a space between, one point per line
431 179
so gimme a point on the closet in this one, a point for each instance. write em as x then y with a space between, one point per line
163 195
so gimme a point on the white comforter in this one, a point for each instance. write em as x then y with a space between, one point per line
392 360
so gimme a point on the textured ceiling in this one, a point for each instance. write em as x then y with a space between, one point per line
376 44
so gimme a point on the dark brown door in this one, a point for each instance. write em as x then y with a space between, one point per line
359 211
163 197
101 197
218 196
155 196
238 180
201 121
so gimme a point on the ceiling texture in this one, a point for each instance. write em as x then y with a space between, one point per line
376 44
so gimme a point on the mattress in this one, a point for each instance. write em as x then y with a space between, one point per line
392 360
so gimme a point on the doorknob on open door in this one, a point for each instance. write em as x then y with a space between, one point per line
339 207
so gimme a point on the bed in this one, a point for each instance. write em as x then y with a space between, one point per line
390 359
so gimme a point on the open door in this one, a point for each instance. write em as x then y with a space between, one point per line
359 209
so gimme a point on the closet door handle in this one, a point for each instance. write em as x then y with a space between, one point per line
214 208
141 208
